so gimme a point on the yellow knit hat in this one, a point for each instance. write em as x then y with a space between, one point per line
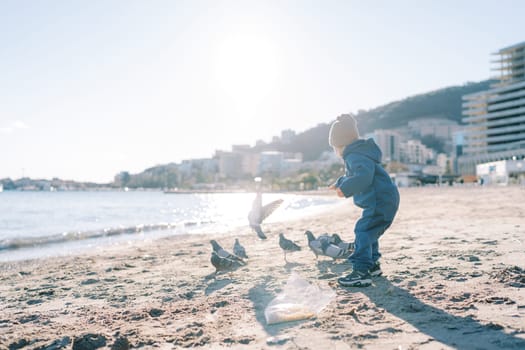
343 131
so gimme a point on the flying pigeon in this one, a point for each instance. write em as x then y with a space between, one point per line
239 250
222 253
287 245
260 212
223 264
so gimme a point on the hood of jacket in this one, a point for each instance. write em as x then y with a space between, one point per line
367 148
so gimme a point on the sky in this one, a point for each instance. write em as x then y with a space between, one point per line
92 88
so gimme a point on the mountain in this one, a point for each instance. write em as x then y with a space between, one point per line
443 103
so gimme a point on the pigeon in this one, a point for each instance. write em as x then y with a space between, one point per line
331 246
260 212
224 264
314 244
334 251
239 250
287 245
336 239
222 253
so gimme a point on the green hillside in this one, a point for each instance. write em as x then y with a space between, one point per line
443 103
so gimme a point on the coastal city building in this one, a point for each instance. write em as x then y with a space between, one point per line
414 152
495 118
389 141
458 141
437 127
230 164
287 136
240 162
249 159
271 162
502 172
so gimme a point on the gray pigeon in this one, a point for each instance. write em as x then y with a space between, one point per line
223 264
221 252
314 244
287 245
260 212
239 250
331 246
334 251
336 239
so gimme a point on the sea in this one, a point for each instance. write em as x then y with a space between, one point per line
46 224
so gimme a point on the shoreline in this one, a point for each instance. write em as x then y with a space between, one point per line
21 248
454 278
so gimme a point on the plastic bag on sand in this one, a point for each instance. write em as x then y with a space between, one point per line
298 301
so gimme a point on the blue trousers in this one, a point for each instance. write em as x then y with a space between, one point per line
367 230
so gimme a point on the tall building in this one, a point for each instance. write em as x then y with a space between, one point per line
495 118
240 162
437 127
389 142
271 161
414 152
230 164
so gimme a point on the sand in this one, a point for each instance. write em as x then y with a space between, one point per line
454 278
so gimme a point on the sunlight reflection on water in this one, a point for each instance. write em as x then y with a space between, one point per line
56 223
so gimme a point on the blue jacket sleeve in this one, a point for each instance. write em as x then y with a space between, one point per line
361 170
339 180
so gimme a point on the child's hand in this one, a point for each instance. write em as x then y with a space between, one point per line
337 190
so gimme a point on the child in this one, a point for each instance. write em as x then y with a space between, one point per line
373 191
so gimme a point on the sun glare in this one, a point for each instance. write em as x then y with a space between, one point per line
246 69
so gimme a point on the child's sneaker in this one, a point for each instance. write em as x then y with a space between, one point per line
356 279
375 271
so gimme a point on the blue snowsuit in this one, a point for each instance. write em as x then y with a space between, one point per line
374 192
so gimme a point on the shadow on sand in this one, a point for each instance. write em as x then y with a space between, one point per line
289 266
455 331
333 268
216 283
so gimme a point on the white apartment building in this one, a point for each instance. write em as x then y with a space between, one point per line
230 164
438 127
389 142
443 162
496 117
414 152
206 165
249 159
241 161
271 162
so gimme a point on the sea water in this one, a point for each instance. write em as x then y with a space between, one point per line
42 224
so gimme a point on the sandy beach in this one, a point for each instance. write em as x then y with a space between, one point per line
454 278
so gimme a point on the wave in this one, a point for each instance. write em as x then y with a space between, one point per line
26 242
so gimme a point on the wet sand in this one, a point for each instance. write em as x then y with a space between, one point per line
454 278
